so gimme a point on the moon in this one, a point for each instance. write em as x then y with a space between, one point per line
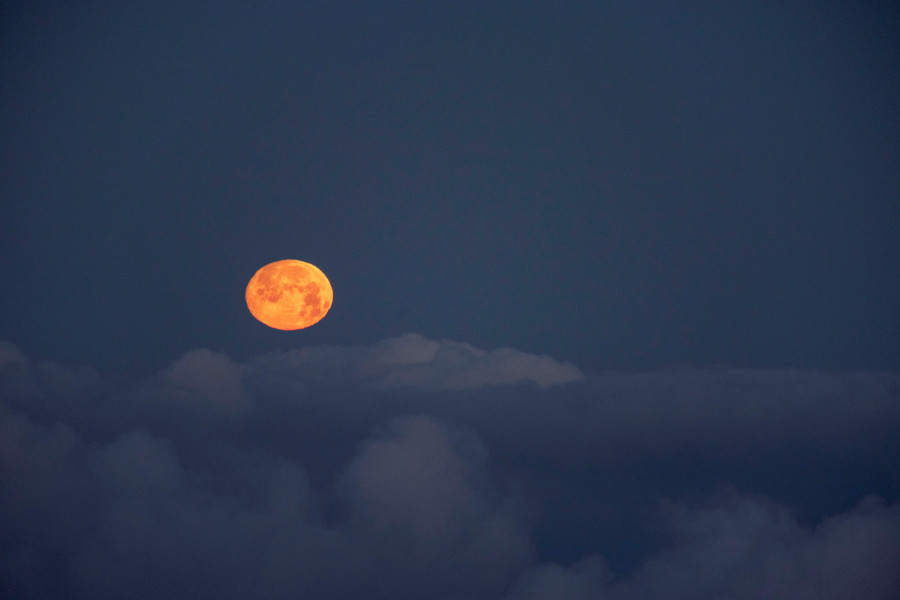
289 295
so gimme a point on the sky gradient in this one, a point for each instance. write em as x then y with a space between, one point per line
616 300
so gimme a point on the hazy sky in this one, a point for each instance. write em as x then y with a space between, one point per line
616 300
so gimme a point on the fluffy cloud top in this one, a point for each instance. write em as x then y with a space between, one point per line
412 361
211 379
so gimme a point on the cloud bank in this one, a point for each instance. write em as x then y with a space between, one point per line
415 468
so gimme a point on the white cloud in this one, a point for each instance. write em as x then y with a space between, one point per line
412 361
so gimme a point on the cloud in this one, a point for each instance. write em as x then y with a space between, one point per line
415 477
11 356
430 481
209 379
745 547
169 530
587 579
421 495
416 468
412 361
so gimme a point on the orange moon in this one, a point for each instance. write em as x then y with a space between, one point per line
289 294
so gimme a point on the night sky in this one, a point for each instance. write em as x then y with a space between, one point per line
616 300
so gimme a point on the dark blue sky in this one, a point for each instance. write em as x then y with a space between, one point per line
619 184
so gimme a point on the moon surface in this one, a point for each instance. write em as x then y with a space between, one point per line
289 295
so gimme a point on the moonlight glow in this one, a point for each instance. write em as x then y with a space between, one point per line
289 294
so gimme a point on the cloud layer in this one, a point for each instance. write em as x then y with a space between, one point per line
415 468
412 361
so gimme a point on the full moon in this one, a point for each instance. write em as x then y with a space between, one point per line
289 294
